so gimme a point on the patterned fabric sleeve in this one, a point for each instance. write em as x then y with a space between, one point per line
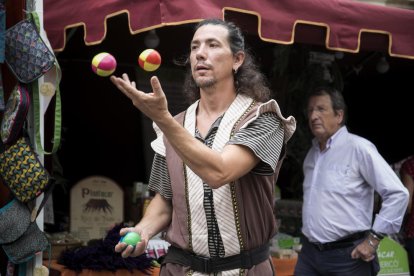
159 181
264 137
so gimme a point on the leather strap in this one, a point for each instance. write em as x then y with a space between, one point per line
245 260
341 243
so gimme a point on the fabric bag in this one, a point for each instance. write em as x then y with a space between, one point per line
2 105
26 54
11 228
15 114
22 172
20 238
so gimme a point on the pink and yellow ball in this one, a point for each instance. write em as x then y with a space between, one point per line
149 60
103 64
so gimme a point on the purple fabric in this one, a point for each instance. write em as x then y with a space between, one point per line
2 29
100 255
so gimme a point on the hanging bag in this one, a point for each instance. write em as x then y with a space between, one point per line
20 238
26 54
2 104
15 114
23 173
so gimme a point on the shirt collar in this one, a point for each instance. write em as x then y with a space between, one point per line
213 127
333 139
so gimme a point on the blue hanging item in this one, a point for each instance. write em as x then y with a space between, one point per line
2 30
26 53
2 48
2 105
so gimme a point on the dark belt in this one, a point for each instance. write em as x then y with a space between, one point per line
344 242
246 259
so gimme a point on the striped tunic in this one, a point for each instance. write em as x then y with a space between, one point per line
264 137
239 215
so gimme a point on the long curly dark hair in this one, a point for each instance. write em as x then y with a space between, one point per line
248 78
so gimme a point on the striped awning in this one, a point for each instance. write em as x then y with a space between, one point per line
345 24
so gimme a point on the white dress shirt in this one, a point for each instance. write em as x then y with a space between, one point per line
339 190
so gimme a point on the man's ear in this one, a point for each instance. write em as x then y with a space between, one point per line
340 115
238 60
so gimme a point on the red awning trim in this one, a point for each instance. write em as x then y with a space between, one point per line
90 40
327 40
344 22
329 44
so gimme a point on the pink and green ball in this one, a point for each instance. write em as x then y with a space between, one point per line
103 64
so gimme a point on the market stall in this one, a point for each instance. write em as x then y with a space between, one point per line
338 26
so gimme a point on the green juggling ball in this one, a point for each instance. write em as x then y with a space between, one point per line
131 238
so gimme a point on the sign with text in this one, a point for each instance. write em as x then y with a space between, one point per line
96 206
392 258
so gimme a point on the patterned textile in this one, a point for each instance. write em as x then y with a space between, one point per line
2 106
265 123
22 172
215 243
27 55
28 245
2 46
20 238
255 225
2 31
8 214
15 114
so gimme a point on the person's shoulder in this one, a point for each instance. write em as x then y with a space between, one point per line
289 122
360 142
359 139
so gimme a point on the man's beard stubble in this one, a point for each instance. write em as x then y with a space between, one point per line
209 83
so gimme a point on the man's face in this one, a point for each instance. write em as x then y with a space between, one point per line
211 57
322 119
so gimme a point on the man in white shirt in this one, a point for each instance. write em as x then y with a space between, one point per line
342 171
